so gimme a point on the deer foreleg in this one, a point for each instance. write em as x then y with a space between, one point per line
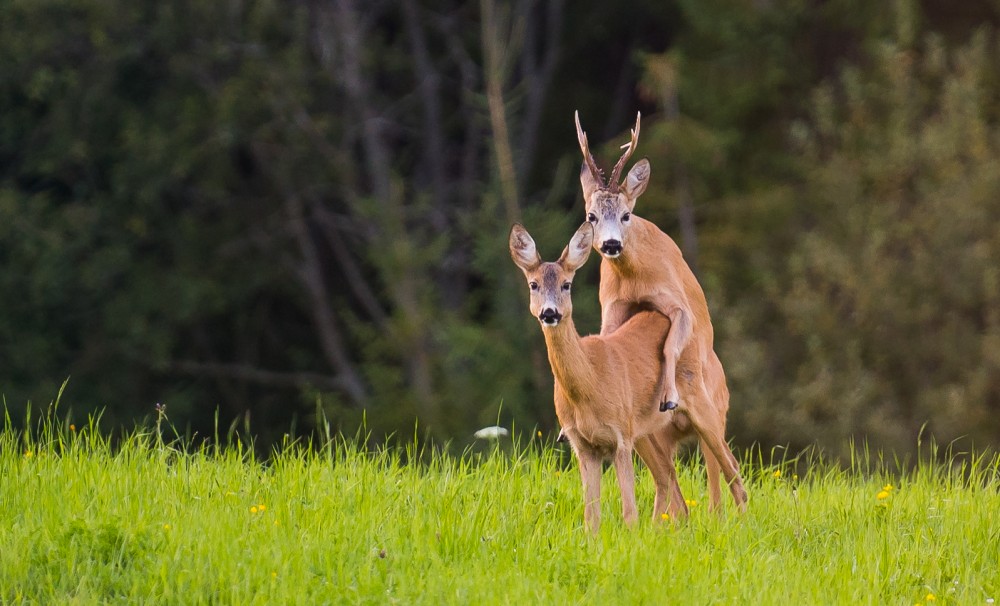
625 471
590 473
677 339
613 315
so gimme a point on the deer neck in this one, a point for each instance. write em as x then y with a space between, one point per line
635 257
570 364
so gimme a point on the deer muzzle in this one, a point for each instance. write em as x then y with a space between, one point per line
549 317
611 248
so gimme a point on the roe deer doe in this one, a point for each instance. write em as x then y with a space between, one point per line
643 269
605 386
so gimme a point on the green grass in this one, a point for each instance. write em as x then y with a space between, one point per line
82 523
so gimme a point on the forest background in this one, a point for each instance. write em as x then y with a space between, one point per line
278 212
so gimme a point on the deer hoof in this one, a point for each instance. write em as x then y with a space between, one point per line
665 406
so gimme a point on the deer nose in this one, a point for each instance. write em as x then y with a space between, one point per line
611 248
549 316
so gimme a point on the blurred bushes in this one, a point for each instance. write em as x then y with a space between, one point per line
298 211
884 314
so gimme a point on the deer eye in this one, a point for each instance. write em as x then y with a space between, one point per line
533 285
566 286
591 218
626 217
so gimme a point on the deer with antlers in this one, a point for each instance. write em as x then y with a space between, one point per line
605 385
643 270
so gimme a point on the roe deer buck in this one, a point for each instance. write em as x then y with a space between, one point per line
605 386
643 269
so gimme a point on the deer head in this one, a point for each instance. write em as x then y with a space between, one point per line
609 204
549 284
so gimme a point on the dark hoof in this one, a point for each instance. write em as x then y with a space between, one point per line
562 437
665 406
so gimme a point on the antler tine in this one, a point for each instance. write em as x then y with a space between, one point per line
585 148
629 147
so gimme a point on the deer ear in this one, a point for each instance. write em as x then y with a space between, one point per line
522 248
576 252
589 184
637 179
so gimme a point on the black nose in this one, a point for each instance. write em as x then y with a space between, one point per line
611 247
549 316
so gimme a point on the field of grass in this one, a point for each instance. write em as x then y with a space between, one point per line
82 522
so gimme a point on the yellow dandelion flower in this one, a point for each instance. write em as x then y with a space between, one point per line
274 575
253 509
166 527
777 473
664 516
691 502
72 427
795 477
261 507
28 454
929 597
539 434
882 495
276 523
888 487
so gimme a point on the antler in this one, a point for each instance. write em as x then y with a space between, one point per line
613 182
587 157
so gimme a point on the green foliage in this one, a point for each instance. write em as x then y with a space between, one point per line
887 301
113 186
262 210
190 214
172 523
843 163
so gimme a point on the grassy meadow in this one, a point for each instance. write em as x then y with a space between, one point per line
151 522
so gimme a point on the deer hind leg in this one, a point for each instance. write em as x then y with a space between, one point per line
712 470
657 452
590 473
625 470
711 430
677 339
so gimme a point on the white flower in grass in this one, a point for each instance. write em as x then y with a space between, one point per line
491 433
